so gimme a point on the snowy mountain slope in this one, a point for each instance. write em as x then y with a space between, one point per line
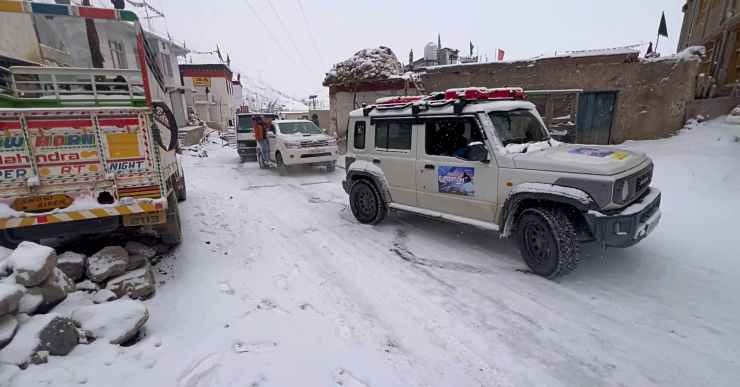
258 92
276 284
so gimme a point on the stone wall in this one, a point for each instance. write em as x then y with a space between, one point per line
651 99
711 107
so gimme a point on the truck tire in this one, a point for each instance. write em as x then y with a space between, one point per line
547 242
181 189
366 202
281 167
171 232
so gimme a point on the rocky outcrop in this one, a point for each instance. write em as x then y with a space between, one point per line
72 264
32 263
104 295
109 262
137 284
138 248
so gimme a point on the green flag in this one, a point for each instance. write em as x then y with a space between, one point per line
663 29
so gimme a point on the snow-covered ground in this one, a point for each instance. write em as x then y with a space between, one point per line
276 284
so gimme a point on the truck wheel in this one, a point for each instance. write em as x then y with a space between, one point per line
281 167
181 190
366 203
171 232
331 167
547 241
8 240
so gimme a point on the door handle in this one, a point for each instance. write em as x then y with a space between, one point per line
376 161
429 166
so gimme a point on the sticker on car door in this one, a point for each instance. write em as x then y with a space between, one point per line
456 180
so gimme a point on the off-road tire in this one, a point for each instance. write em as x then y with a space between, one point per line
171 232
367 203
556 253
281 167
331 167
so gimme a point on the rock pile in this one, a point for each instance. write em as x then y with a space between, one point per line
368 64
34 280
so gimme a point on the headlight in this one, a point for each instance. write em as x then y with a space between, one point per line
292 145
625 191
332 141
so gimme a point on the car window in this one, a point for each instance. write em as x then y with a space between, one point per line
518 127
359 139
451 136
394 135
300 127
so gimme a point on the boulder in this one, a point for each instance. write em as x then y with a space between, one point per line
136 261
137 284
109 262
38 336
116 321
5 268
54 290
72 264
32 263
8 327
138 248
29 303
10 295
104 295
87 286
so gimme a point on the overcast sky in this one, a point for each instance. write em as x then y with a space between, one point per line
523 28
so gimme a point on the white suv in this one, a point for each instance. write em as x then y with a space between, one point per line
300 142
484 157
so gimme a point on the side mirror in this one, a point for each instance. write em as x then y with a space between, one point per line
477 151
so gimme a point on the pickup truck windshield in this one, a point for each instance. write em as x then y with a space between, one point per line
306 127
245 124
518 127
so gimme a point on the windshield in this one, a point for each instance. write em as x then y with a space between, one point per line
245 124
302 127
518 127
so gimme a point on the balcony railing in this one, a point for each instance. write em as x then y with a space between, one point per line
66 86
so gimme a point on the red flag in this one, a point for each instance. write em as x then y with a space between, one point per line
500 54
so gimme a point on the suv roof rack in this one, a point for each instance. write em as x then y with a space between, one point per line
459 97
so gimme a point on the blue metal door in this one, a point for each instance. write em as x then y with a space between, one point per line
595 117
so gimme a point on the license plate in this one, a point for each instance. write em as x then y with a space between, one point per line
41 203
144 219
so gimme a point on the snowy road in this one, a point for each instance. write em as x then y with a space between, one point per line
278 285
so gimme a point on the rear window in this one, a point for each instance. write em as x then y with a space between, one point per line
359 140
394 135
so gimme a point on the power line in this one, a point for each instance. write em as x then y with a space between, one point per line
269 32
310 33
288 34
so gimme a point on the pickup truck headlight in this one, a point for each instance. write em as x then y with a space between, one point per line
292 145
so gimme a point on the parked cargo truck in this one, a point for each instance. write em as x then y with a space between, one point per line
83 149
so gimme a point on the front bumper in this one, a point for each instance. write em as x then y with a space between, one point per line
307 156
247 148
628 226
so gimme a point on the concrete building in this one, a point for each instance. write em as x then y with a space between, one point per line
213 92
714 24
622 97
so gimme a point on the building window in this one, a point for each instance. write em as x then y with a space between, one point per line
395 135
166 64
359 138
117 54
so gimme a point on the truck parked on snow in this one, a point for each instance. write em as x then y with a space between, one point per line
85 150
246 143
484 157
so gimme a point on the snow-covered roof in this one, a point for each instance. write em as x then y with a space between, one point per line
470 108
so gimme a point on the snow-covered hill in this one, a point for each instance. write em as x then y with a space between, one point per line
259 93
